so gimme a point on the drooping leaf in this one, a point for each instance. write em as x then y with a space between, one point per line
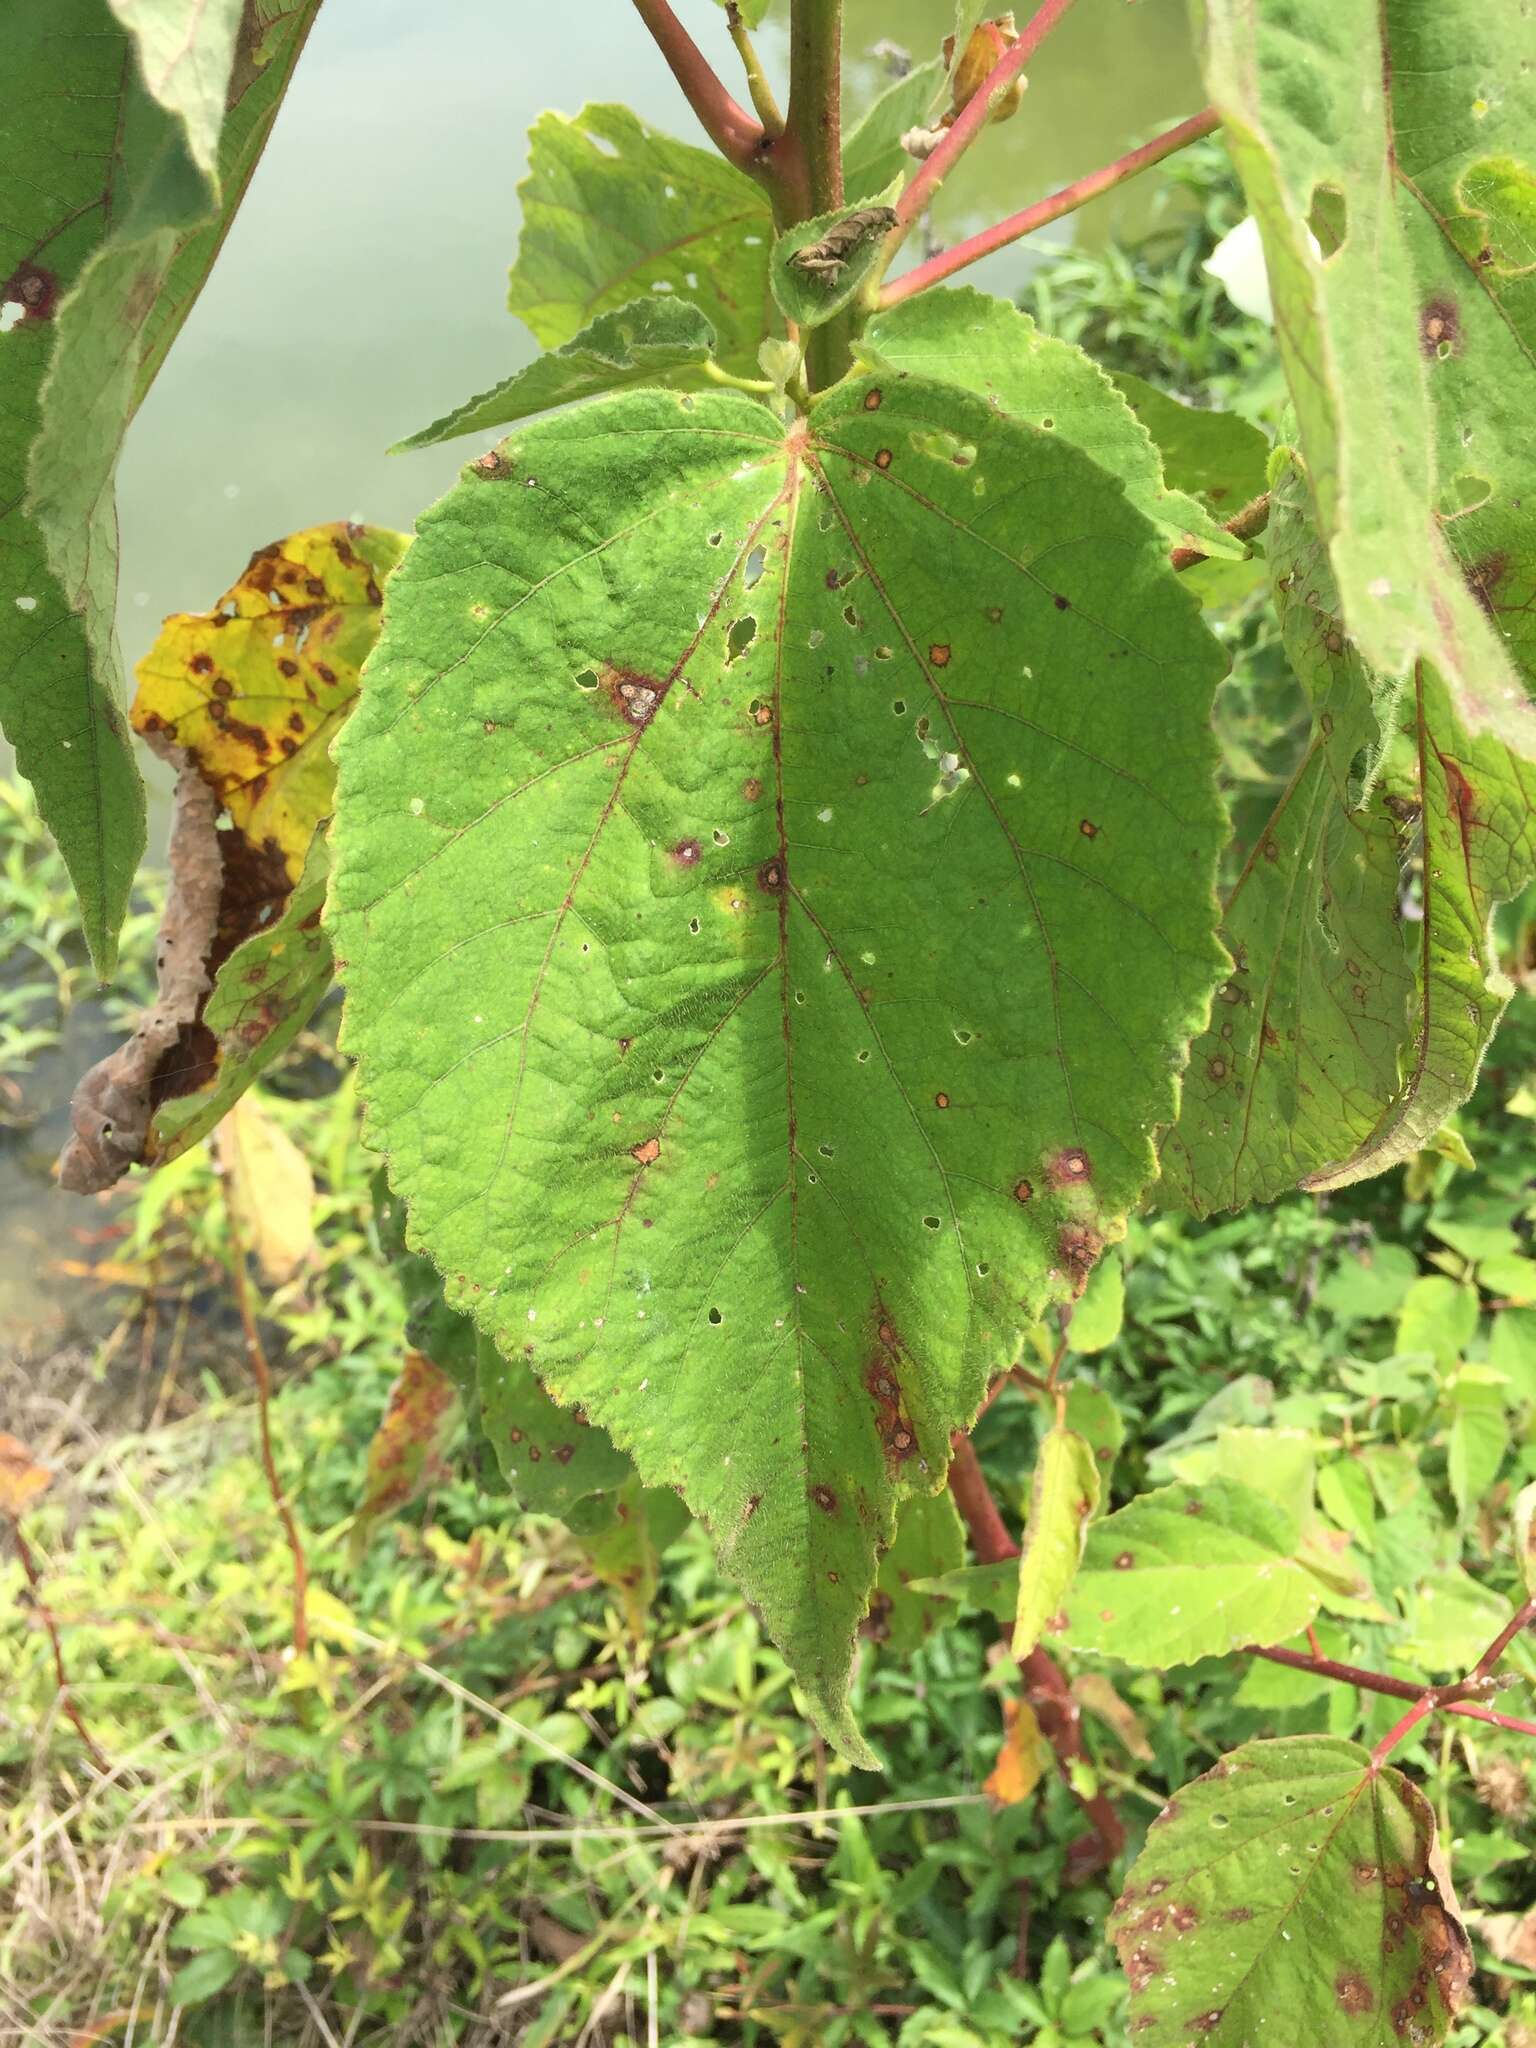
1404 131
270 1189
1215 456
1022 1760
649 341
766 958
1063 1496
978 1588
262 997
243 702
1296 1879
185 51
1097 1319
872 151
818 265
614 211
550 1457
623 1533
1189 1572
109 220
930 1540
407 1452
1329 1057
984 344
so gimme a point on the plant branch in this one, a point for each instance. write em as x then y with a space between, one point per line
261 1372
972 118
1045 1687
46 1616
757 79
1058 204
1243 525
1449 1699
725 121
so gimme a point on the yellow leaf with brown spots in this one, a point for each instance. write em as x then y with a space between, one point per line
256 689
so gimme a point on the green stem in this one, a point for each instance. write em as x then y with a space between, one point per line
757 79
814 135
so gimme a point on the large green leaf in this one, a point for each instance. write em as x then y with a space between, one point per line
1189 1572
1402 132
1295 1892
651 341
988 346
614 211
109 219
766 956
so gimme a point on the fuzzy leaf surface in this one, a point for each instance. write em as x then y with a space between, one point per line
614 210
963 336
1294 1880
1409 347
185 50
650 341
766 960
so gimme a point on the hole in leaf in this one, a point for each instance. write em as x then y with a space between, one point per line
743 632
752 572
1328 218
715 1316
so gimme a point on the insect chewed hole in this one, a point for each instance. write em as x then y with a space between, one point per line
715 1316
752 572
932 1223
899 706
743 632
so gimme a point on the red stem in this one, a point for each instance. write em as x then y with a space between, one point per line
1067 200
971 119
1045 1687
45 1613
1446 1700
1506 1635
739 138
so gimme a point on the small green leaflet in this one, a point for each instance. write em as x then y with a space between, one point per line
1189 1572
649 341
930 1541
819 265
964 337
1296 1882
1063 1496
614 211
764 955
1409 348
872 152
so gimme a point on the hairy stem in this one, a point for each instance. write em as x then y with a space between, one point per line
814 134
757 78
1045 1687
733 131
261 1372
1058 204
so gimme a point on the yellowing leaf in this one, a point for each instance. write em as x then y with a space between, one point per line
21 1481
256 689
270 1188
1063 1496
1022 1760
987 44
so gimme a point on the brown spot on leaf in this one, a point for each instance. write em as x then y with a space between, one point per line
873 400
825 1499
1484 576
883 459
1216 1068
770 877
687 853
1088 829
564 1453
1023 1190
32 288
1440 326
1069 1167
1353 1993
1125 1560
752 789
938 654
941 1101
648 1153
491 467
201 664
1062 604
1142 1965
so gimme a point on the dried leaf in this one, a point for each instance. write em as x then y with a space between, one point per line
271 1188
21 1482
1022 1759
243 701
406 1454
1097 1696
